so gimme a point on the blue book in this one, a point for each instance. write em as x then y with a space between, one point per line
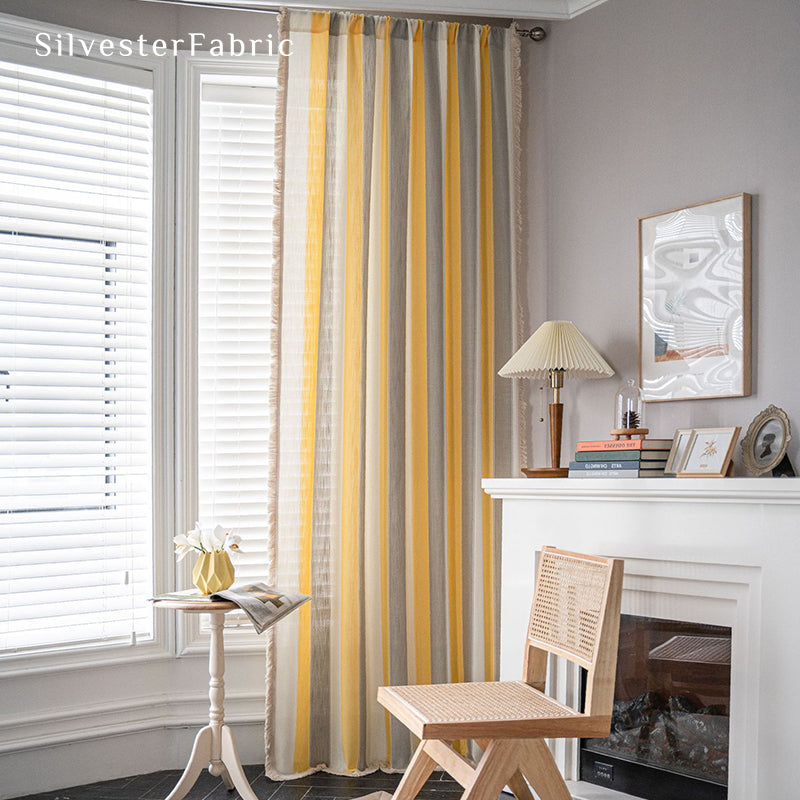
605 466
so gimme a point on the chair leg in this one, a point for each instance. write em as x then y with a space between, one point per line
517 782
499 762
418 771
520 787
539 767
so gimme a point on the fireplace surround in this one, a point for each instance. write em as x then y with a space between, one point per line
721 552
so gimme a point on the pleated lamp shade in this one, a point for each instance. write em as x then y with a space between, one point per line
556 346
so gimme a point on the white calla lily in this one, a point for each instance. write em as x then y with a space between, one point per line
205 541
210 542
193 539
182 546
182 552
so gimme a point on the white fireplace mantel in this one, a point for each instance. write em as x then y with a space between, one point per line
720 551
780 491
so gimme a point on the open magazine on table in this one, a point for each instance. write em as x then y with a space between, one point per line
265 605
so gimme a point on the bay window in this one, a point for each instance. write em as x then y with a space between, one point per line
90 427
228 213
76 355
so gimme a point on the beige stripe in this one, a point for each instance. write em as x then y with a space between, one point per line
351 424
384 31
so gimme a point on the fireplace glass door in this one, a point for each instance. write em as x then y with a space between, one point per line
669 731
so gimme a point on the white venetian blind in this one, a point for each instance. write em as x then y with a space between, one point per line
76 168
234 265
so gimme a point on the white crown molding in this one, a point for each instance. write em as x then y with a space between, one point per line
575 7
522 9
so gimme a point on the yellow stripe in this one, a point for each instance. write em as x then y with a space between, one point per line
317 95
384 374
418 352
452 300
352 396
487 349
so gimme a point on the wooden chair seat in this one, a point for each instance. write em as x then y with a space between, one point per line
575 615
496 709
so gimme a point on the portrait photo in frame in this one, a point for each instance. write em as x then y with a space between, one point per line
766 441
694 301
708 453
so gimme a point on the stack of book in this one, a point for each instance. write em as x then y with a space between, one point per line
623 458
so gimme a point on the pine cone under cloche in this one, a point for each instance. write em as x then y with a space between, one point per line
631 419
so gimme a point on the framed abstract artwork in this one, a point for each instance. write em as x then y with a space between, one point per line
694 301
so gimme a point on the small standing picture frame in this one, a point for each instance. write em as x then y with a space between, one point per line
708 453
679 442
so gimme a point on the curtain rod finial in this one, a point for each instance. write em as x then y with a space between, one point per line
537 33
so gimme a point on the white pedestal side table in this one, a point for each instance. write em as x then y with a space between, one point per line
214 745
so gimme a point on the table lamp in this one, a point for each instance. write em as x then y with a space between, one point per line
554 349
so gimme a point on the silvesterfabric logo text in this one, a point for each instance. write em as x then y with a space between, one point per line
67 44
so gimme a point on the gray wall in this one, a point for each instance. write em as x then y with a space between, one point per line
638 107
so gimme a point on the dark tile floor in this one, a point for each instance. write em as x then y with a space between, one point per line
320 786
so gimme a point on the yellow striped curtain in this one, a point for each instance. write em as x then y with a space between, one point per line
395 268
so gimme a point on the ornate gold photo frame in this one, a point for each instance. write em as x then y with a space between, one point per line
765 443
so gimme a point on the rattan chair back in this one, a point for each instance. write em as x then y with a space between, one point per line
575 614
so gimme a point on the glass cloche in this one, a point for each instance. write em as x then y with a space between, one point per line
629 407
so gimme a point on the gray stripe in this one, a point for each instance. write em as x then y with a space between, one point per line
503 180
503 237
434 184
320 699
470 316
399 113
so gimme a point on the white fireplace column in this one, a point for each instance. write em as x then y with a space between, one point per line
715 551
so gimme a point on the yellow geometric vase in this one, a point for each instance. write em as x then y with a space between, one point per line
213 572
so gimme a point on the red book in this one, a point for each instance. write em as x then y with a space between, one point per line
625 444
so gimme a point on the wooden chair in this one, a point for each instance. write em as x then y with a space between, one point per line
575 614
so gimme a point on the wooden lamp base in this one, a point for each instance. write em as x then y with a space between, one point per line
556 471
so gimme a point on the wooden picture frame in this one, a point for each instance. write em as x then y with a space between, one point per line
765 443
679 442
708 453
694 301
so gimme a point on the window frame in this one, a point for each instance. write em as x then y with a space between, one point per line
17 33
191 69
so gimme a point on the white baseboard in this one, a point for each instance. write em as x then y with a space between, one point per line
79 745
